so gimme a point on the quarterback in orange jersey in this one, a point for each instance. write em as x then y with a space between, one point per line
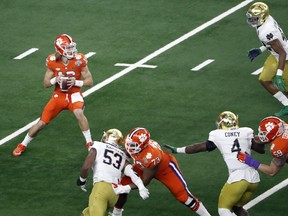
65 71
151 162
275 131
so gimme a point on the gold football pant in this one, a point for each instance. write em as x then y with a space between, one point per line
101 198
236 194
270 69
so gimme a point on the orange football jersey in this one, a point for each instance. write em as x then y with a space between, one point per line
168 172
72 69
151 156
279 146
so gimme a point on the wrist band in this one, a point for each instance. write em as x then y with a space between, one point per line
53 81
181 150
82 179
262 48
279 72
79 83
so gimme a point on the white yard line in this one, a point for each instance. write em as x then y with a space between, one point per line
127 65
203 64
88 55
266 194
258 71
28 52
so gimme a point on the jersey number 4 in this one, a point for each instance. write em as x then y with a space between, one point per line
236 146
112 158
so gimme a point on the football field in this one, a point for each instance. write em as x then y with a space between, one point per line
170 66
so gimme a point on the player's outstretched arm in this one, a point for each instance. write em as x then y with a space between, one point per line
173 149
270 170
191 149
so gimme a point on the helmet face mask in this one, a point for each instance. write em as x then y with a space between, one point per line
257 14
270 128
227 120
132 147
65 46
112 136
137 140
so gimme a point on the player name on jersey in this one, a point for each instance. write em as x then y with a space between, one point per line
232 134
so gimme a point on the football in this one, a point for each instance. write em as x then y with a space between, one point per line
64 84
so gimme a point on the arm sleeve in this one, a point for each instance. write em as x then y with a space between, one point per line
210 145
128 171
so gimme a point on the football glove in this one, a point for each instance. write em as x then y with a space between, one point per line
253 53
82 184
172 148
120 189
144 193
247 159
279 83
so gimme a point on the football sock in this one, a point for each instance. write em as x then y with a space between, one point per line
224 212
117 211
202 210
87 135
27 140
281 97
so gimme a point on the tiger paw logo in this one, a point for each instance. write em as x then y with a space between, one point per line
149 155
269 126
142 138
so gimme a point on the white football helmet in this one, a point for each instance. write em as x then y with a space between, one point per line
257 14
227 120
112 136
65 45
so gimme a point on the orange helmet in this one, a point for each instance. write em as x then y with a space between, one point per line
65 45
270 128
137 140
279 148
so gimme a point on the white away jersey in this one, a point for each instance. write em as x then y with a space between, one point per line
229 143
109 163
269 31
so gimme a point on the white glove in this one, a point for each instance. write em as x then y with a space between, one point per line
120 189
144 193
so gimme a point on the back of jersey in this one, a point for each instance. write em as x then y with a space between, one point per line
109 163
230 142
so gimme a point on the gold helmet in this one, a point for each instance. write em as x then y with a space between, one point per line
227 120
257 14
112 136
